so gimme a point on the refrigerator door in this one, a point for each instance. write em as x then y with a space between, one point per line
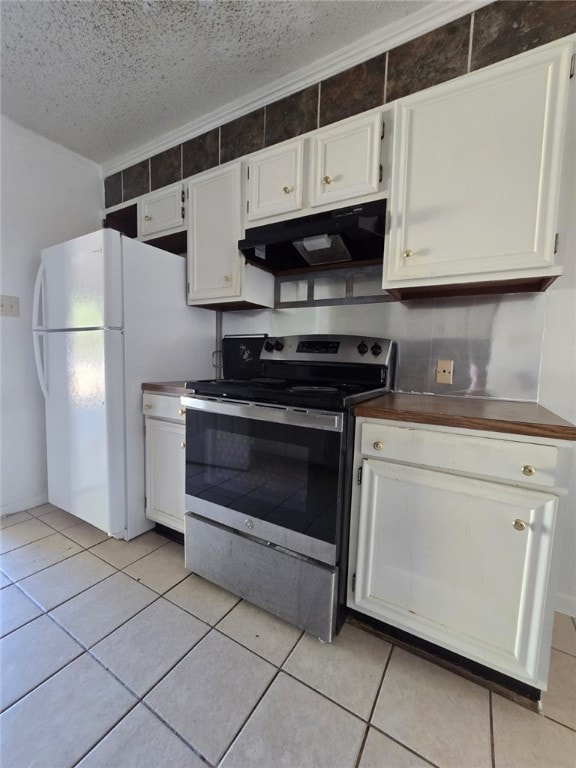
79 284
83 373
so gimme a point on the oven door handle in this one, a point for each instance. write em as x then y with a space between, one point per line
332 422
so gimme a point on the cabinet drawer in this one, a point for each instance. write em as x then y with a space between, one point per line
508 460
163 407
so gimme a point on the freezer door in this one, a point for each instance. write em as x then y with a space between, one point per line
84 386
79 284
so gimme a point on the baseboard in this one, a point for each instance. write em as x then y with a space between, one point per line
566 603
20 506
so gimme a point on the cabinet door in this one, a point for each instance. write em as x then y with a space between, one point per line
476 173
275 181
463 563
161 211
165 467
346 160
214 263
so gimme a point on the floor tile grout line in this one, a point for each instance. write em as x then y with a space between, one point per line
559 722
404 745
323 695
121 568
17 581
362 745
116 724
34 541
373 708
492 737
563 652
248 716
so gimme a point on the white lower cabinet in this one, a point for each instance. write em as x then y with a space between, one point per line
455 558
165 460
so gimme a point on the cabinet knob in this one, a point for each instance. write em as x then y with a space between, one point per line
182 445
147 406
147 218
181 411
227 278
519 525
327 180
528 470
287 190
407 253
377 445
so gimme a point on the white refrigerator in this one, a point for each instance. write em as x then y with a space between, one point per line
109 314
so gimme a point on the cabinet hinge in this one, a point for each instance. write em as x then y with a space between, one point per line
353 582
556 241
572 65
183 211
383 129
381 171
247 206
248 172
359 476
188 288
182 196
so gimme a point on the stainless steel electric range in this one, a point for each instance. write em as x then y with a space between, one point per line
267 476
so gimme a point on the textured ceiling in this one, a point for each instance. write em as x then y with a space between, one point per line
103 77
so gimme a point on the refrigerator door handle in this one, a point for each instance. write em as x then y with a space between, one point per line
39 363
37 296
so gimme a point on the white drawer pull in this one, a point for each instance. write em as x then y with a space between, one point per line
519 525
377 445
181 411
182 445
147 406
528 470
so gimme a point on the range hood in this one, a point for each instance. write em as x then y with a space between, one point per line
330 239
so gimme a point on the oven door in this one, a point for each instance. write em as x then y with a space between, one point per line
271 473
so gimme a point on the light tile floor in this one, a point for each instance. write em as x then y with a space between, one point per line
114 656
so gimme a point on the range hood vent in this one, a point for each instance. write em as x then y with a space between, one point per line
335 237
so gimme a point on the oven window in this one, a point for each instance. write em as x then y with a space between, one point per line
284 474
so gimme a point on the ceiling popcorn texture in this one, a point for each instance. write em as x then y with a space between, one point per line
102 77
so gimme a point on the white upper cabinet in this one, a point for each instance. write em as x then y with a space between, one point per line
345 161
162 212
217 272
475 176
275 180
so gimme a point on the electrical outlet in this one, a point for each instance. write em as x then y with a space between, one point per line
10 306
444 371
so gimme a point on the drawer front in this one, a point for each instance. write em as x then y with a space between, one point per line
517 462
163 407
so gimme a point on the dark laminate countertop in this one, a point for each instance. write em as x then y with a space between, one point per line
167 388
491 415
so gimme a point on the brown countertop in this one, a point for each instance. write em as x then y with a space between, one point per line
492 415
167 387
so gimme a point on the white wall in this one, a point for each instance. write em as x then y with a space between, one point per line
48 195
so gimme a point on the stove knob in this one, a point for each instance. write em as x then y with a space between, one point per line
376 349
362 348
268 346
278 345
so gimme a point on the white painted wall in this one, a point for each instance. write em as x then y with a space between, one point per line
48 195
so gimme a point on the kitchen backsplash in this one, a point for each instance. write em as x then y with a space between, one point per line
496 31
495 342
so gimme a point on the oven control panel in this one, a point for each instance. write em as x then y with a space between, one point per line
328 348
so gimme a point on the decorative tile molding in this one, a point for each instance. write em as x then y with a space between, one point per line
499 30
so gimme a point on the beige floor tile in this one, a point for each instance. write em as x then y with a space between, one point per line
121 553
85 535
4 580
559 701
104 607
16 609
56 724
348 670
523 739
30 655
140 740
41 554
144 649
66 579
381 752
161 569
261 632
564 636
60 520
202 598
42 509
296 728
23 533
438 714
17 517
210 693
